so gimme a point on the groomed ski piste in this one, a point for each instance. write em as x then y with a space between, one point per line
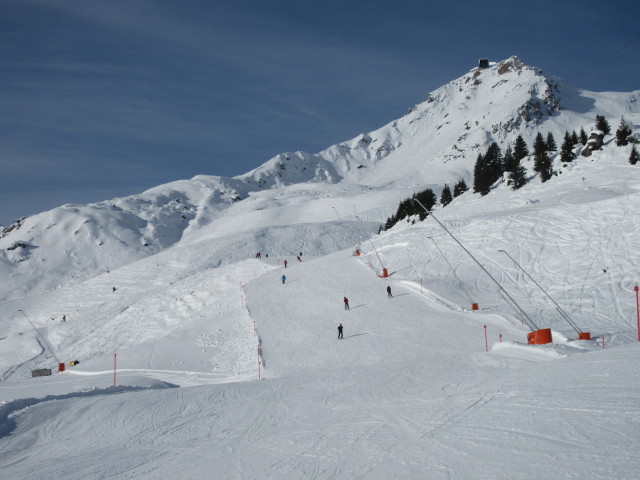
222 371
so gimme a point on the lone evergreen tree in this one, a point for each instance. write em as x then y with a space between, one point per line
539 145
542 165
478 174
460 188
445 196
602 124
634 157
509 161
520 149
518 177
623 132
583 137
566 150
551 143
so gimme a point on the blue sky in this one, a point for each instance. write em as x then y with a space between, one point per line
100 99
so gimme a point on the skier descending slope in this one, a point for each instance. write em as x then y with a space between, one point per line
346 303
283 279
340 332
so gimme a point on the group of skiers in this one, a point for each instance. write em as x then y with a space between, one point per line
346 307
345 299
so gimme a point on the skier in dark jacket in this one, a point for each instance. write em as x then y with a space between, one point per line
285 264
346 303
340 331
389 291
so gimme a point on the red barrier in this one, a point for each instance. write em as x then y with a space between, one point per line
540 337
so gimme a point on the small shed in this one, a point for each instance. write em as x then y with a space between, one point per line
483 63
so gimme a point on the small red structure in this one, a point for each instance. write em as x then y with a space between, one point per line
540 337
475 306
584 336
357 253
385 273
60 367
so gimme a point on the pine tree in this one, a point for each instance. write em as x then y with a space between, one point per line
602 124
566 150
623 132
428 199
478 174
574 138
518 177
460 188
542 165
509 162
539 146
551 143
445 196
634 157
583 137
488 169
520 149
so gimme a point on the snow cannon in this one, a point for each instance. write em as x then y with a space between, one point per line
539 337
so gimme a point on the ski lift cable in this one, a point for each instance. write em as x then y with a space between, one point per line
530 322
562 312
460 282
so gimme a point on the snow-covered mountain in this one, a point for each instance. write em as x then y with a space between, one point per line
168 279
437 142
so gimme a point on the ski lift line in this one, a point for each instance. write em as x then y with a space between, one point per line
460 282
374 249
44 340
560 310
604 61
530 322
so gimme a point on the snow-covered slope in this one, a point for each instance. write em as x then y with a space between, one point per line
169 281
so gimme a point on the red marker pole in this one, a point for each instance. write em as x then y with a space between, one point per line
258 361
486 341
114 369
500 338
637 311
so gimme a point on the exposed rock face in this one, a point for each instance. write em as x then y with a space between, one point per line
595 142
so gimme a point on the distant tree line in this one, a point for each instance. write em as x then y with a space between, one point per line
493 165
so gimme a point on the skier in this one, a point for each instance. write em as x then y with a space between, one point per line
114 289
346 303
283 279
64 318
340 331
299 259
285 264
258 255
389 291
